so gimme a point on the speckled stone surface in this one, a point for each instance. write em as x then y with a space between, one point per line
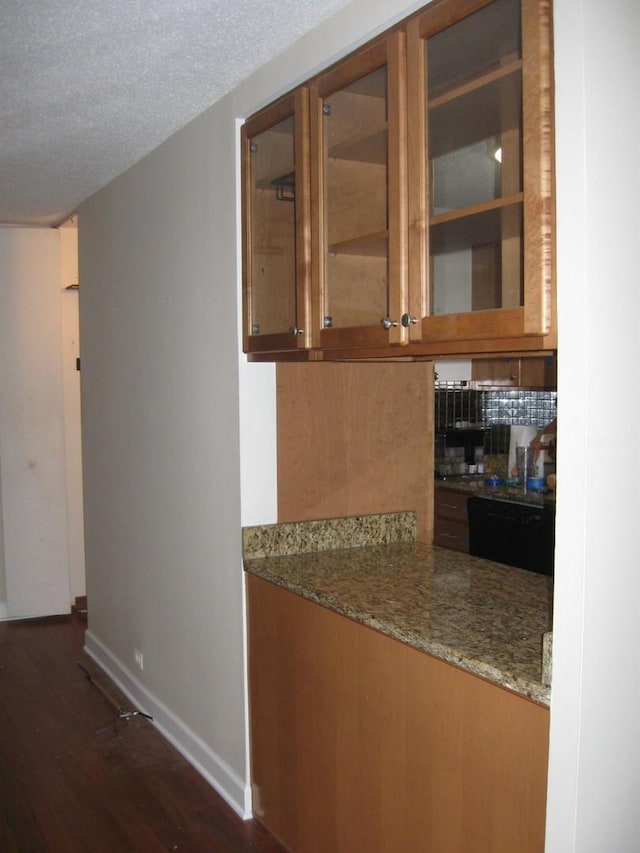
547 657
475 485
484 617
302 537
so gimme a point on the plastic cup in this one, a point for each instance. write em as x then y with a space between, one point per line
524 465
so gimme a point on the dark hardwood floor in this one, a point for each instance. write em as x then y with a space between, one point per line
75 777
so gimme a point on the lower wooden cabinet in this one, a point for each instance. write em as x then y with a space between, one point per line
450 521
535 372
360 743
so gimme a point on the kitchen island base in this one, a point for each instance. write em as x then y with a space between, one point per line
360 742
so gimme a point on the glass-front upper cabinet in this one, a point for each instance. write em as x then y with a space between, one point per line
481 171
358 134
276 262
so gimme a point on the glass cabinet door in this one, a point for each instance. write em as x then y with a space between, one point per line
474 139
357 203
276 252
482 182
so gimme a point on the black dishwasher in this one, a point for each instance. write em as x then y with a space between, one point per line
515 533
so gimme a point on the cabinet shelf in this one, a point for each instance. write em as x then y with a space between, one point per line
484 107
276 180
488 222
365 148
485 79
475 43
372 245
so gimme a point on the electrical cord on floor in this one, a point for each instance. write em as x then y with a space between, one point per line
120 711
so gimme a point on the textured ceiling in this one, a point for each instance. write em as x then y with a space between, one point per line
88 87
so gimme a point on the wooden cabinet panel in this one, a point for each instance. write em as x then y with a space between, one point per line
450 505
276 241
424 195
360 743
481 116
479 762
516 372
539 372
451 534
450 522
355 439
358 210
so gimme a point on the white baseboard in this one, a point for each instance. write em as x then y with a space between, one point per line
23 617
217 772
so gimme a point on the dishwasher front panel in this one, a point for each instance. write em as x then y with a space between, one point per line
513 533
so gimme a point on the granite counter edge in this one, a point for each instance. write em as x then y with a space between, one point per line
535 691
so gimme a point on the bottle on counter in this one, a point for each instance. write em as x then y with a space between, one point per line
544 463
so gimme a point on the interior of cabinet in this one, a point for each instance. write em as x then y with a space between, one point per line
356 206
362 299
355 152
474 144
464 51
273 223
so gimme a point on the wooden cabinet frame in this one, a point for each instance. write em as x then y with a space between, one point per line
537 316
516 372
390 52
450 521
359 742
530 327
296 105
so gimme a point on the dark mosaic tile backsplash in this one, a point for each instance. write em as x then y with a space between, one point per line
459 407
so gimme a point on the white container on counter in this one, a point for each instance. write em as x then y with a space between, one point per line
519 436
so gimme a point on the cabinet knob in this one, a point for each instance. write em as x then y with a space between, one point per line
407 320
295 330
388 323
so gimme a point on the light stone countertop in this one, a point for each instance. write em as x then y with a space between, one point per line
475 485
481 616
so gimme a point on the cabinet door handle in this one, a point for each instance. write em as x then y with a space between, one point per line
407 320
295 330
388 323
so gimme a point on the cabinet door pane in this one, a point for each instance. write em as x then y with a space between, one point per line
355 154
273 229
474 85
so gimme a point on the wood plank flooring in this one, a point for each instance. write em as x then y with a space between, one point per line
73 777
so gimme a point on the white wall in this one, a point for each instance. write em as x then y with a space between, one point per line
173 428
34 516
160 441
595 733
162 395
68 236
